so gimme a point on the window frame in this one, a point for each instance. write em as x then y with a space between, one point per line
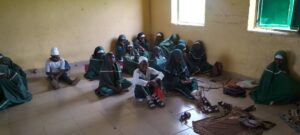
253 22
175 18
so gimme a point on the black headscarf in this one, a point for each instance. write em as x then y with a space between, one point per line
159 39
174 67
198 51
97 54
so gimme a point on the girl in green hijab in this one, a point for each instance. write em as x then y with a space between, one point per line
171 43
111 80
13 66
12 88
276 86
95 63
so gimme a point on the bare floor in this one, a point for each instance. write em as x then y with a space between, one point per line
77 110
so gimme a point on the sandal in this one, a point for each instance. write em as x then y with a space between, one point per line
205 101
185 116
225 106
294 112
210 109
151 104
159 102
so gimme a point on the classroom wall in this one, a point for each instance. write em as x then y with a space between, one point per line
226 37
29 28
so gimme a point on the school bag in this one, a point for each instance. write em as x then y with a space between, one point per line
67 66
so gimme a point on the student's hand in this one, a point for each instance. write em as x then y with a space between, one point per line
153 83
186 81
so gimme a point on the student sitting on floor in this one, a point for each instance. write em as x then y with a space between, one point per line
177 77
159 37
120 47
197 61
12 88
130 60
276 86
158 61
13 66
56 70
141 44
147 84
111 80
170 43
95 63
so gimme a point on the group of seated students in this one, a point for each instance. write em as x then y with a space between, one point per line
168 65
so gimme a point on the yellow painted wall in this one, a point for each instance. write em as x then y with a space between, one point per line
226 37
29 28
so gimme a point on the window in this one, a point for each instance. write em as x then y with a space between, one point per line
274 15
188 12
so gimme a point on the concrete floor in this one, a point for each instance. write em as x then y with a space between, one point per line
76 110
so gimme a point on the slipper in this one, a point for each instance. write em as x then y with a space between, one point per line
289 120
185 116
151 104
225 106
159 102
294 112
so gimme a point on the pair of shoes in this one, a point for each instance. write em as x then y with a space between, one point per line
75 81
151 104
54 84
294 112
210 109
185 116
158 102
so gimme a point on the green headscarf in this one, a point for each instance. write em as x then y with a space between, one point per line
110 74
12 88
169 44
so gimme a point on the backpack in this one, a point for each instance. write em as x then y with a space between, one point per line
234 90
67 66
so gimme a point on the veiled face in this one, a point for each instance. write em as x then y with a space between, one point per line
279 62
142 37
129 48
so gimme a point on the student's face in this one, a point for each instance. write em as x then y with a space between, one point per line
278 62
112 59
143 66
142 37
178 59
55 58
99 55
123 42
129 49
158 36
